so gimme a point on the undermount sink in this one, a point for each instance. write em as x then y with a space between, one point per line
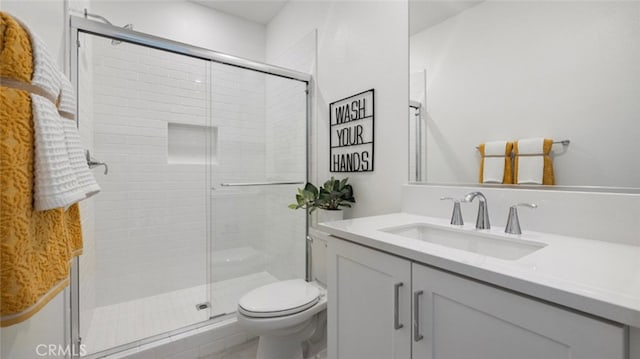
470 240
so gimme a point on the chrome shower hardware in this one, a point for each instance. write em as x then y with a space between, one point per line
87 15
92 162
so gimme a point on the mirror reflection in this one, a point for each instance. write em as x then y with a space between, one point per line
499 88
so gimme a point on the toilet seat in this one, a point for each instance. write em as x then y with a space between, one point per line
279 299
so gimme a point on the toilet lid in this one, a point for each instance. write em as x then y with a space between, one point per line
279 299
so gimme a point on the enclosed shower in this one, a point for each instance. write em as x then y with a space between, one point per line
204 153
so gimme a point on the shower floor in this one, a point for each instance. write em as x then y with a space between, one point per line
126 322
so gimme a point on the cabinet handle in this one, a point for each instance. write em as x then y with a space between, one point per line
396 306
416 316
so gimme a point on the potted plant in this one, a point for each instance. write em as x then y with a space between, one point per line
329 199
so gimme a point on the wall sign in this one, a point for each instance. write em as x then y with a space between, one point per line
351 128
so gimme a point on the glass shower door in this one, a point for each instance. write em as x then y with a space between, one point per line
146 114
259 160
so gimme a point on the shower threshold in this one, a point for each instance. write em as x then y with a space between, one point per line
128 322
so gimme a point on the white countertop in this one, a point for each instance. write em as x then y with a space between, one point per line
596 277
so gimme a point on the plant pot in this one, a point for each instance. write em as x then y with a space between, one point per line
326 215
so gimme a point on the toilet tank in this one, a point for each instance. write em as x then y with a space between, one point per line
318 255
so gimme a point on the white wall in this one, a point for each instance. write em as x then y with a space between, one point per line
555 69
46 327
46 18
361 45
189 23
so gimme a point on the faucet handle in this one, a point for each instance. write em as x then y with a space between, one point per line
456 217
530 205
513 223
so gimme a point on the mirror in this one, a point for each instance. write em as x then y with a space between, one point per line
483 71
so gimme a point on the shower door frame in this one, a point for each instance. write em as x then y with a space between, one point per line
417 106
79 25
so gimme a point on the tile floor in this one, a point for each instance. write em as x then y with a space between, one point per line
242 351
127 322
248 351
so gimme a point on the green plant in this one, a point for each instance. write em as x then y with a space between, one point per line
332 195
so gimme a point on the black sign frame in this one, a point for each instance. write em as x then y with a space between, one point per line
333 146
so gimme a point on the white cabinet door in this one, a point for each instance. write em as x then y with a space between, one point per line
369 303
464 319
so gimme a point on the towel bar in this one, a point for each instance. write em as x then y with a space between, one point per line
509 155
562 142
512 154
530 154
249 184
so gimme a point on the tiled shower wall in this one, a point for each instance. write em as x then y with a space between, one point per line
151 218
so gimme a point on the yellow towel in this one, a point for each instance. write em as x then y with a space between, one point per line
508 168
548 177
35 247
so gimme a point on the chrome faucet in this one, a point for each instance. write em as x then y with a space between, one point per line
482 221
513 223
456 216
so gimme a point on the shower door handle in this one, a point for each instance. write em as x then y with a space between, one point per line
248 184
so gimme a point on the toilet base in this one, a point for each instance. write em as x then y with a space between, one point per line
289 345
271 347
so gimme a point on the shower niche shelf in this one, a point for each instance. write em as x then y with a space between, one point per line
189 144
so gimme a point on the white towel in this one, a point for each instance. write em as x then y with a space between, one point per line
493 170
62 176
67 104
530 168
55 181
46 75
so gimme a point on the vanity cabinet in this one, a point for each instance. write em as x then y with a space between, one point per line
369 303
446 316
461 318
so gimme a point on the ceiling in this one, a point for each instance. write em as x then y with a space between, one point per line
422 13
260 11
426 13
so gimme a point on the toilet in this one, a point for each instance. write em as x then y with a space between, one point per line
284 315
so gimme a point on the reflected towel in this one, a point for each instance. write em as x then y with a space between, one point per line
496 169
35 246
536 166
